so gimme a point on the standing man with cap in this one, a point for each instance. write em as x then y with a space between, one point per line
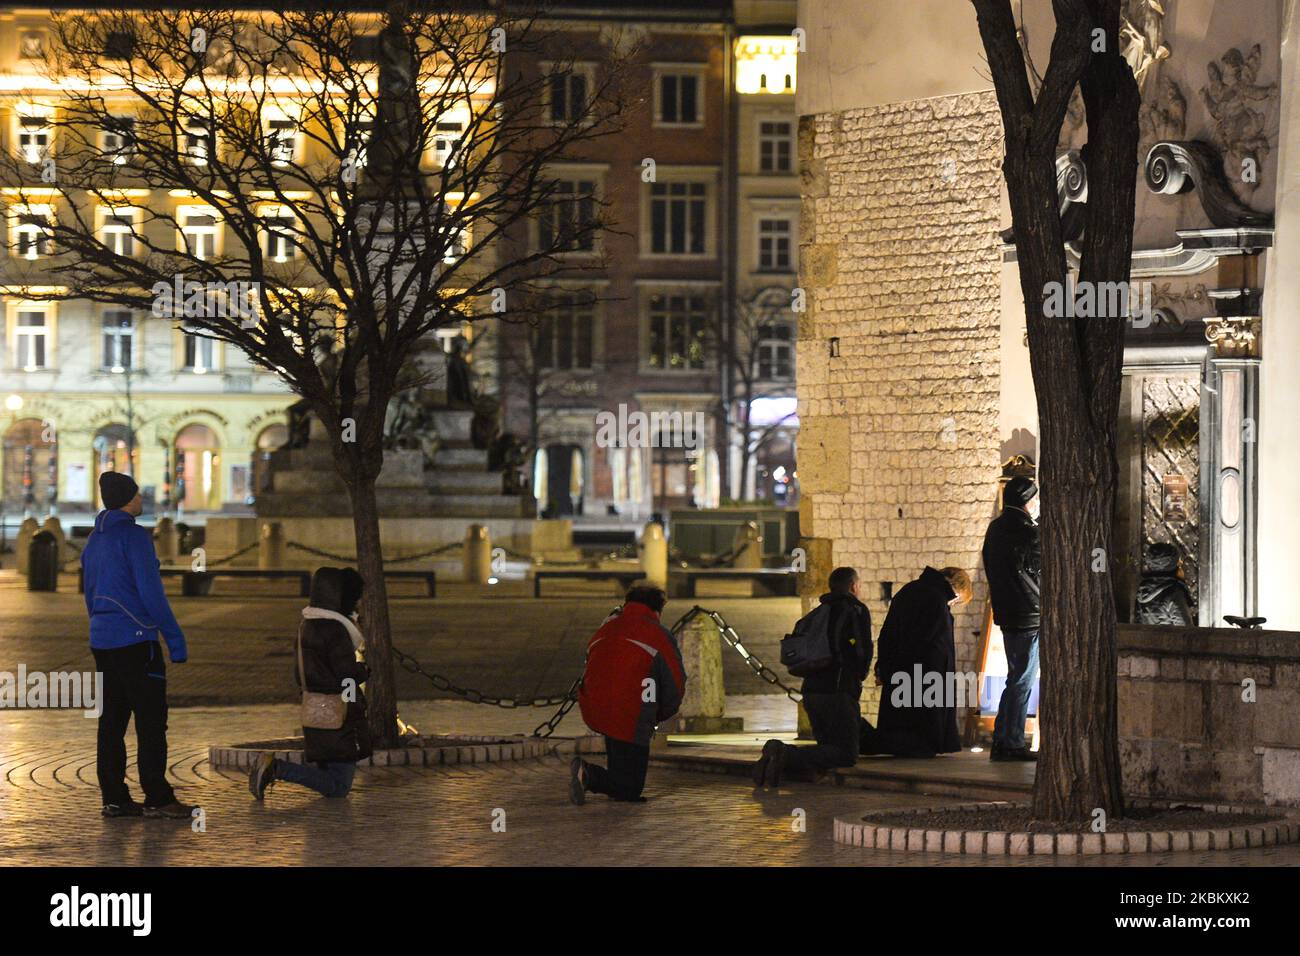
1013 564
128 611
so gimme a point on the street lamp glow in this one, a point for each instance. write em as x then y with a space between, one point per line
14 402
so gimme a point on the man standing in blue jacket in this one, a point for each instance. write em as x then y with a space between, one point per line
128 611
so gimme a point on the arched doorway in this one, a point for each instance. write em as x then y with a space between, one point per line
269 439
198 469
114 450
561 476
26 467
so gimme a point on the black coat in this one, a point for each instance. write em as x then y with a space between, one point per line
852 648
917 631
1164 599
1013 564
329 659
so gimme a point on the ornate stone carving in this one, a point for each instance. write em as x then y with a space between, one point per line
1236 336
1237 105
1141 32
1179 167
1164 112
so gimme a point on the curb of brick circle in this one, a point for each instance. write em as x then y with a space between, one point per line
862 833
432 750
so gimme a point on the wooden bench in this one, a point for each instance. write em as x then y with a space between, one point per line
623 577
777 582
199 583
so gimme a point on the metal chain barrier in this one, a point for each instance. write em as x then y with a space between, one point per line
230 557
443 549
729 635
444 683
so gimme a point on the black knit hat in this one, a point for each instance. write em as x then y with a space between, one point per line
1019 492
117 489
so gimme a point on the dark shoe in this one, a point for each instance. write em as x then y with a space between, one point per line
759 772
997 753
128 809
170 811
774 752
261 776
577 781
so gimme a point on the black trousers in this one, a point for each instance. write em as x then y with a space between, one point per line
836 724
625 777
135 682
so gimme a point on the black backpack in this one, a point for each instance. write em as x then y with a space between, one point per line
810 647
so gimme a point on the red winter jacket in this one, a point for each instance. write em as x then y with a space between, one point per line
628 651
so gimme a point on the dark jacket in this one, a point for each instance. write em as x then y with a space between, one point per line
124 591
1164 599
852 637
1013 563
917 633
628 650
330 659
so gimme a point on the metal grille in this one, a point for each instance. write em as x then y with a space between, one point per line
1171 407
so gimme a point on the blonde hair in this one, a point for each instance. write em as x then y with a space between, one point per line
959 581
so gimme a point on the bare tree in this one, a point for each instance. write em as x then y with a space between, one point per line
753 322
1077 366
305 139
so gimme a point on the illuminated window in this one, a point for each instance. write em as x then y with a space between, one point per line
196 140
118 229
117 139
31 230
281 139
31 339
766 64
34 136
119 336
198 231
446 139
279 232
678 332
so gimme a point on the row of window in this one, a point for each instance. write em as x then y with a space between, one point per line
32 343
678 223
198 234
198 141
676 339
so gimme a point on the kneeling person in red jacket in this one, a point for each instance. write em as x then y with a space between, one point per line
633 681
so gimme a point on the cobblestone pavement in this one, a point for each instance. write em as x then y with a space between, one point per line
499 640
49 808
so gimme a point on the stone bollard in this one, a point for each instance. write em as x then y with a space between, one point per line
53 526
750 554
705 701
165 540
478 554
270 546
654 555
25 531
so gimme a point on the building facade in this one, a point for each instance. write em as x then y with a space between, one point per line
914 379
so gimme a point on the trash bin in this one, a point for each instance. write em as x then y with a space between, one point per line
196 583
43 562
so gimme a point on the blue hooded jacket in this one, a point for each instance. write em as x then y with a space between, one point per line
124 592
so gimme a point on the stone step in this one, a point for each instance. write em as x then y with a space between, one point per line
464 482
446 459
476 506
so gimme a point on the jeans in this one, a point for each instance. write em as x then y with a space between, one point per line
1022 669
135 682
332 780
836 725
625 777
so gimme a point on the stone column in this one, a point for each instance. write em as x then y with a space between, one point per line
654 554
750 554
25 531
165 539
478 554
704 703
270 546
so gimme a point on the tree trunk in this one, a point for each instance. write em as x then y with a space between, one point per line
381 689
1077 365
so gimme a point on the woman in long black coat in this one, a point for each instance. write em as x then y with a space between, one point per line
330 645
916 642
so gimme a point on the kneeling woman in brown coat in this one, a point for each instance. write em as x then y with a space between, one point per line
327 650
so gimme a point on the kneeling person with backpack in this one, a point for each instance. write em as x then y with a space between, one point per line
830 648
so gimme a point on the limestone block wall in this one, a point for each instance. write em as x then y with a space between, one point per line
898 446
1210 713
